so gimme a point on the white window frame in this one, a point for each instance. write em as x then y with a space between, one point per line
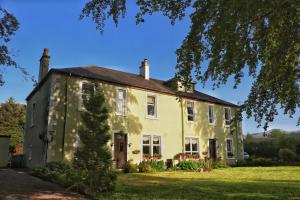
33 114
191 149
155 116
80 101
194 116
232 148
124 113
213 114
227 120
151 145
148 145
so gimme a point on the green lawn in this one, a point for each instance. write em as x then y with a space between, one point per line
231 183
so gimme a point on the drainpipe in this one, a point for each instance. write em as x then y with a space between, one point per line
65 118
182 123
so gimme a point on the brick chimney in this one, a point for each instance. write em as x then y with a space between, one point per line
44 64
144 69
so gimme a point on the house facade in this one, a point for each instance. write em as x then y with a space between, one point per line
147 119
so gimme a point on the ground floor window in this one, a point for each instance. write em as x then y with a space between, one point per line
151 146
229 148
191 145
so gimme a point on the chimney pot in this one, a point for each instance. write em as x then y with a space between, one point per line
145 69
44 64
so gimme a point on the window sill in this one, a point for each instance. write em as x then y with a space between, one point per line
121 115
191 122
227 126
212 124
151 117
231 158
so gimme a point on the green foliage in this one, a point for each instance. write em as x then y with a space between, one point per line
287 155
145 167
259 37
262 162
93 157
219 164
62 174
130 168
12 121
269 146
156 165
188 165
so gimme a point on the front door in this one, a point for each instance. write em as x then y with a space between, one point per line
120 149
212 149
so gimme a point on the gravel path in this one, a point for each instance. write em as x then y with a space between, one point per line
19 185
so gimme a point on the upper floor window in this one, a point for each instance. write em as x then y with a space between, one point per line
121 107
190 111
227 116
229 148
87 90
32 115
191 145
211 117
151 106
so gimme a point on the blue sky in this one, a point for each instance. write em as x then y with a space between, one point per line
55 24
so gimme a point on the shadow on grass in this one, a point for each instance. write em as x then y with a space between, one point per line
140 186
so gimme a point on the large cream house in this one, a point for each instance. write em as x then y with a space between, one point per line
147 119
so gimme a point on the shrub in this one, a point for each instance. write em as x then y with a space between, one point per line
57 172
287 155
156 165
219 164
144 166
188 165
130 168
262 161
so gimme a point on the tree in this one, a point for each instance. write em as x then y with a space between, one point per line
261 38
93 157
12 120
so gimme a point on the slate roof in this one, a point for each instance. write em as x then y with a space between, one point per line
129 79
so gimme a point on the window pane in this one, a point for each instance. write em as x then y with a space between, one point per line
146 150
156 150
187 144
121 94
151 110
151 100
156 140
146 139
229 145
194 144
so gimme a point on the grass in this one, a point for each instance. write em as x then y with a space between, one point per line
230 183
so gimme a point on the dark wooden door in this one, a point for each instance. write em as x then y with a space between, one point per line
212 149
120 150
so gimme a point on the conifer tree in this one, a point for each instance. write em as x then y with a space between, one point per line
93 157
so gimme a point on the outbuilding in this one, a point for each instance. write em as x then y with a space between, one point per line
4 150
